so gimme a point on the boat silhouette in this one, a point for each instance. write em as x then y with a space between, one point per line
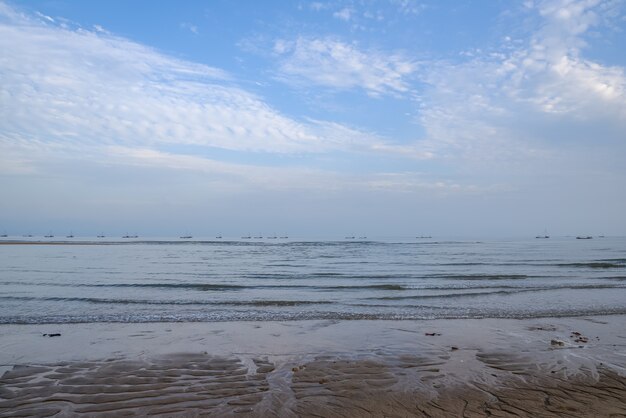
544 235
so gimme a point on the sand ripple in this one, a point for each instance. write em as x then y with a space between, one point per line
506 385
184 385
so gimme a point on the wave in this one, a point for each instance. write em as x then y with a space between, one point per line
510 291
166 302
364 287
211 287
467 293
307 315
614 260
194 286
595 264
478 276
274 303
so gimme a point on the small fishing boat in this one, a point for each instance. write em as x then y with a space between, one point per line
544 235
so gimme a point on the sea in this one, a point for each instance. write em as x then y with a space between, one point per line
90 280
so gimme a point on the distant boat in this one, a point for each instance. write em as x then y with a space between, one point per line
27 236
362 237
186 237
48 236
544 235
101 236
584 237
285 237
246 237
424 237
219 236
71 235
272 237
350 237
130 236
3 236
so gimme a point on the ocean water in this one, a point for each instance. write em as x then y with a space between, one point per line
222 280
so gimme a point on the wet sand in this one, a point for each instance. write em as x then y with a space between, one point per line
547 367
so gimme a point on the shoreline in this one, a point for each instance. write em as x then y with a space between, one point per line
441 367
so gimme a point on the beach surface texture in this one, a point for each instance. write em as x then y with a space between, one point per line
571 367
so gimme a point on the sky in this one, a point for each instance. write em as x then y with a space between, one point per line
313 118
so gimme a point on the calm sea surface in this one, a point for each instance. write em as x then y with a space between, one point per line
145 281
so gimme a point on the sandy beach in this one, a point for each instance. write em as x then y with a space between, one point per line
547 367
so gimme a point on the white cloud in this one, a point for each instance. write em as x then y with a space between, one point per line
318 6
76 86
335 64
190 27
524 102
45 17
79 95
344 14
409 7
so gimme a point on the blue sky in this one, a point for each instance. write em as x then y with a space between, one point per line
450 118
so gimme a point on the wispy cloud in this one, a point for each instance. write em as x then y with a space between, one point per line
190 27
335 64
524 100
344 14
89 95
318 6
410 7
95 88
